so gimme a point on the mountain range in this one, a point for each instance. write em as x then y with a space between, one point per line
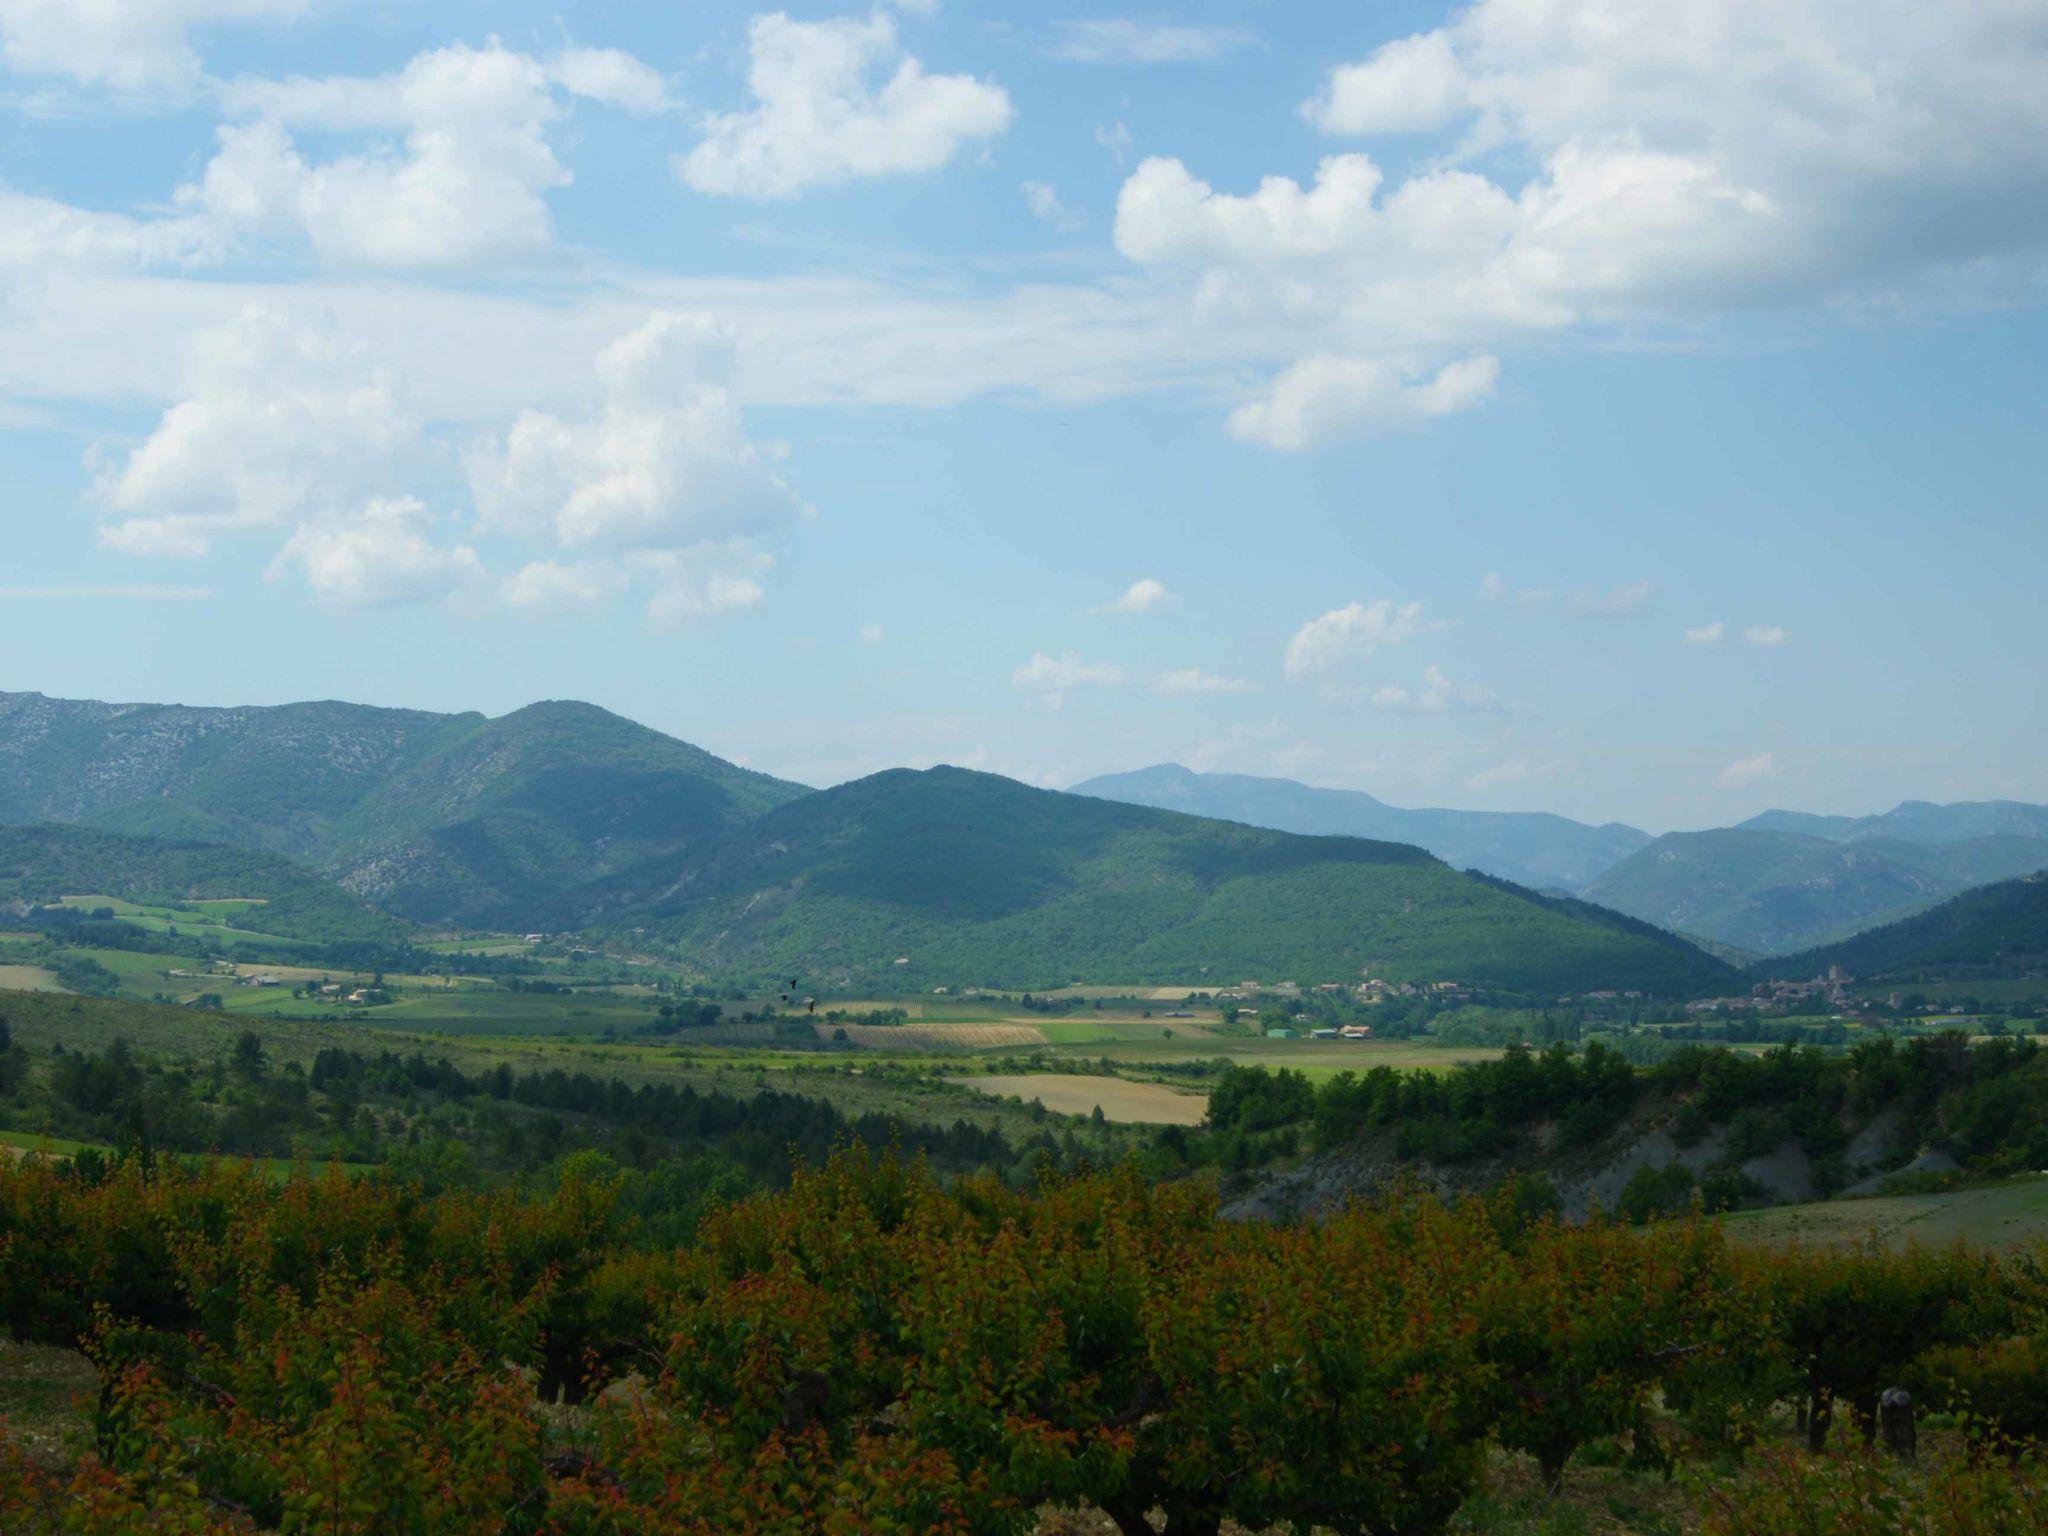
1780 882
945 874
439 818
1529 847
562 816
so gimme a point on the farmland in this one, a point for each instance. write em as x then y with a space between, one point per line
1080 1094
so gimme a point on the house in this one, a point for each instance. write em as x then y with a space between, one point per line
1279 1034
1322 1034
1355 1032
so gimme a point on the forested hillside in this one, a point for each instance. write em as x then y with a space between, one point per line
971 878
46 863
1996 931
1771 892
437 817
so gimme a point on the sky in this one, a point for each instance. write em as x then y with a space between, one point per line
1629 411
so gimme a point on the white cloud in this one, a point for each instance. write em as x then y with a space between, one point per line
1142 596
1117 138
661 462
282 421
1686 164
611 77
1057 674
1436 694
466 181
823 115
1769 636
701 582
1629 600
1189 681
1410 85
382 557
1747 770
1324 399
1707 634
1498 590
125 45
37 232
1349 634
1044 202
557 586
1123 40
872 634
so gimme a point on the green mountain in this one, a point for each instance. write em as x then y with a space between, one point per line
42 864
1529 847
1995 930
1776 892
969 878
438 817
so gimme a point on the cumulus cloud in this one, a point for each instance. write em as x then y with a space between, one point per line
1056 675
661 462
1747 770
1324 399
383 556
282 421
1124 40
1144 595
466 177
837 101
1349 634
1684 165
1044 202
702 581
125 45
1436 694
1769 636
1707 634
1498 590
1410 85
1631 599
611 77
1188 681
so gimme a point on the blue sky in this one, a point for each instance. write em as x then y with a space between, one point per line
1571 405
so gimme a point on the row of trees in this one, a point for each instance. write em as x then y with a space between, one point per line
868 1351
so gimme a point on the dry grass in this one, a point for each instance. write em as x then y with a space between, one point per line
936 1037
1126 1102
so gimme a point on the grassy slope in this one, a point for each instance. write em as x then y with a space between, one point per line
977 879
46 863
2008 1215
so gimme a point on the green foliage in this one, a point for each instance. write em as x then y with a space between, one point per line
1999 930
1773 891
45 863
438 817
979 880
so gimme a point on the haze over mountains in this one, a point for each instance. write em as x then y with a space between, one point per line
1529 847
1782 881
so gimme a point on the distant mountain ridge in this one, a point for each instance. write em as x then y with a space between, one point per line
1775 892
969 878
1531 848
441 818
1914 821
